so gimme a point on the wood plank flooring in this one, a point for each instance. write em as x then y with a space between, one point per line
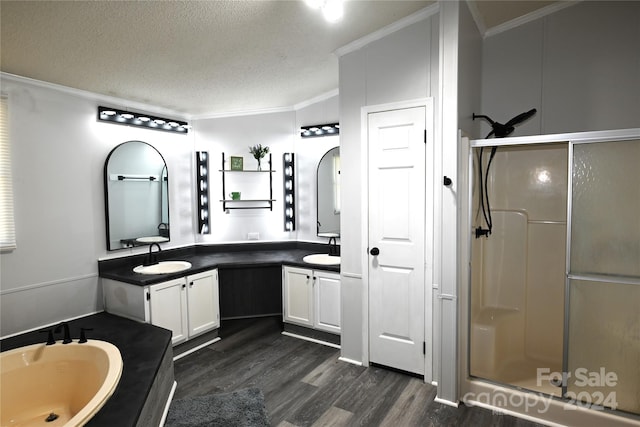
305 384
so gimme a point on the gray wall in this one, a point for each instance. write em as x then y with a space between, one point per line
580 67
398 67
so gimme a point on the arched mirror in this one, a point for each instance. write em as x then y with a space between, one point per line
328 191
136 184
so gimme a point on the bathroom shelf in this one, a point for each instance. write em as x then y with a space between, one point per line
228 204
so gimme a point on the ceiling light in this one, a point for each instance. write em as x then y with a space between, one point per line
332 10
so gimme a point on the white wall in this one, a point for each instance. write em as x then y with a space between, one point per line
278 131
58 155
398 67
580 67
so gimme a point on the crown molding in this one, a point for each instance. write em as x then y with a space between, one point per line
126 104
477 16
242 113
295 107
529 17
112 101
389 29
316 99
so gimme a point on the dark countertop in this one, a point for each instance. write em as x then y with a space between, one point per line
142 347
203 258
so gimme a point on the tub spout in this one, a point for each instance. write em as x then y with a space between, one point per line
67 335
50 339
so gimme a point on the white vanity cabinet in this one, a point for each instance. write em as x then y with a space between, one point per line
203 307
167 308
311 298
187 306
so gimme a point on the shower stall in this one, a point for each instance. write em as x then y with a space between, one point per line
554 279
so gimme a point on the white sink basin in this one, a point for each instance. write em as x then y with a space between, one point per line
163 267
322 259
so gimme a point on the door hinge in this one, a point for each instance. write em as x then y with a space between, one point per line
424 347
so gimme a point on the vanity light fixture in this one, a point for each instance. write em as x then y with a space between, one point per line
202 205
121 117
288 169
329 129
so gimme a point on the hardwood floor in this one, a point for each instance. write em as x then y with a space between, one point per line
305 384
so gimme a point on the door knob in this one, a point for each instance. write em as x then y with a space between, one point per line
374 251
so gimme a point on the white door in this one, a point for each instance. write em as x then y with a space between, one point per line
327 301
168 306
298 296
203 302
397 149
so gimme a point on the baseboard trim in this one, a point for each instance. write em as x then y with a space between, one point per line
446 402
328 344
196 348
353 362
166 406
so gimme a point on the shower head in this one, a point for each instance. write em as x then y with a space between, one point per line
503 130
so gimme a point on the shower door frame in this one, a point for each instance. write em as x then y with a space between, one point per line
472 384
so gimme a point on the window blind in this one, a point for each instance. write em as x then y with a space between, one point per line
7 225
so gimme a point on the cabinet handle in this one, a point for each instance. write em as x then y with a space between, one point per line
184 286
191 284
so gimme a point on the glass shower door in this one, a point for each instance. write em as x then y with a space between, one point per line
602 357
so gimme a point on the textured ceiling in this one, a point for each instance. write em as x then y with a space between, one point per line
196 57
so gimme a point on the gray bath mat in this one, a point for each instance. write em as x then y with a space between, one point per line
242 408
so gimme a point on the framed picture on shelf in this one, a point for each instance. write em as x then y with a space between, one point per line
236 163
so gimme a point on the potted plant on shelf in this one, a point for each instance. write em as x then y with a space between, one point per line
258 152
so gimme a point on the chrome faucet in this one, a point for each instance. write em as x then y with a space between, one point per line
333 247
67 335
151 258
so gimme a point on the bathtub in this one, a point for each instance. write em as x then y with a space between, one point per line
57 385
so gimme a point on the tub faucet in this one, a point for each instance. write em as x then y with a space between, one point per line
67 335
151 258
333 247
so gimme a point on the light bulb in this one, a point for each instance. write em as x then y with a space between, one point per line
333 10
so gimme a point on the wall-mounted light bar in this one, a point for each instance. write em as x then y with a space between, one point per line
320 130
289 191
202 181
121 117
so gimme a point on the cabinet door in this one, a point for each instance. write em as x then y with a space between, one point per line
298 296
327 301
203 302
168 308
